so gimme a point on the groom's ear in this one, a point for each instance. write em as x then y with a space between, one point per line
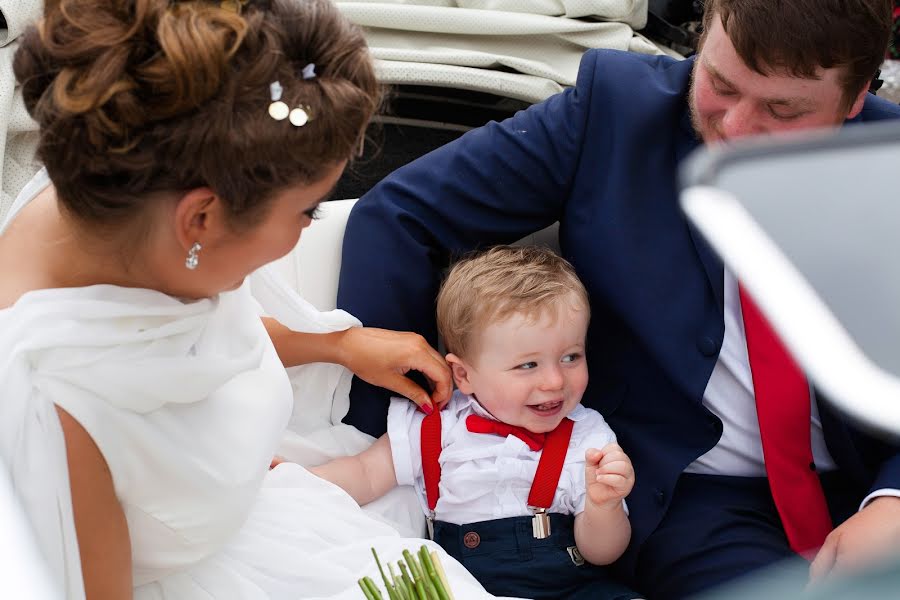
460 371
200 216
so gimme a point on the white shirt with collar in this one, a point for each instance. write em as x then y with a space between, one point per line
729 395
486 476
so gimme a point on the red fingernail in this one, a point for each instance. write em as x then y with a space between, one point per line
426 408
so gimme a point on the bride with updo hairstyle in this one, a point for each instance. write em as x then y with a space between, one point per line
137 97
187 144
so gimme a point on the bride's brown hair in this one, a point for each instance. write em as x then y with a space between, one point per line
135 97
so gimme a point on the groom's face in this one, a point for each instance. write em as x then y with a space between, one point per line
729 100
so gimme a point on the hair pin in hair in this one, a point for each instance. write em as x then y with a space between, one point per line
309 71
300 116
279 110
235 6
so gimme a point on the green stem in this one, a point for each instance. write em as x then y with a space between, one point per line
398 584
417 575
376 595
365 589
431 572
387 584
426 578
407 581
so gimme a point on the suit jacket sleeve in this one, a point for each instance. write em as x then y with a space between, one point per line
888 474
493 185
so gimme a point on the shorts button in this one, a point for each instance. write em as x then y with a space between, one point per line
471 540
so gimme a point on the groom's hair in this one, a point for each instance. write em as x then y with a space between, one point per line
801 36
140 97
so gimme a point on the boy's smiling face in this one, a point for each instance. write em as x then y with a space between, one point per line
526 370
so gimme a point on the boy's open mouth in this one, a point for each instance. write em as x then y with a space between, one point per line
547 408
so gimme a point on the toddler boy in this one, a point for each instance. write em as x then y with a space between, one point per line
522 484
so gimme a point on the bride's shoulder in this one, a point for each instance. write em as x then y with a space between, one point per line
16 280
21 245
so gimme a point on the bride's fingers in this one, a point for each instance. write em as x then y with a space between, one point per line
410 389
435 368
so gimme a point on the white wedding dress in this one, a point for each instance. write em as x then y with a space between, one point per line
187 402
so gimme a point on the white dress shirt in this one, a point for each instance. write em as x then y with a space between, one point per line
729 395
486 476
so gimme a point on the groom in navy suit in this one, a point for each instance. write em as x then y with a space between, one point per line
667 348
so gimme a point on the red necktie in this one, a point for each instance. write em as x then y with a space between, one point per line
479 424
783 409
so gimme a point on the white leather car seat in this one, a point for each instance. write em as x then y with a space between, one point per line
313 267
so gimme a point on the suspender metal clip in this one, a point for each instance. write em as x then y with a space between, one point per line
540 523
429 522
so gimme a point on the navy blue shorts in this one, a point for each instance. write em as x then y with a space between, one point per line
508 560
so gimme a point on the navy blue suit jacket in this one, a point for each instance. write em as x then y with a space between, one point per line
600 158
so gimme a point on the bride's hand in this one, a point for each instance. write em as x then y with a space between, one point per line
382 357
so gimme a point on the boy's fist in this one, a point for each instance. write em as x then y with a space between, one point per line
608 475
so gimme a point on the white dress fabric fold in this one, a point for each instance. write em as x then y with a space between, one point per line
187 402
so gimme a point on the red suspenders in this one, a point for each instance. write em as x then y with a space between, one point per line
545 479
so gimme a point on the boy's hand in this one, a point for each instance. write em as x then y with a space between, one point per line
608 475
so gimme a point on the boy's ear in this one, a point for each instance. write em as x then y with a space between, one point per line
460 373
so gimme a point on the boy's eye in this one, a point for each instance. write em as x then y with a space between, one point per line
570 358
527 366
313 213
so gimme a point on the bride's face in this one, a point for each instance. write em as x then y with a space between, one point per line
227 256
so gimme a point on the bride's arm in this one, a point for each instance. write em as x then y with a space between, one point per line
103 540
378 356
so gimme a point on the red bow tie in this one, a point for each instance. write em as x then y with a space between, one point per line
479 424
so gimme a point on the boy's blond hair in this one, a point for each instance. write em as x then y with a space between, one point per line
494 285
